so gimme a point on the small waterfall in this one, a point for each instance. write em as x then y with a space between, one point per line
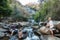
31 35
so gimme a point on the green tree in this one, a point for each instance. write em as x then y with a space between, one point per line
5 9
49 8
19 13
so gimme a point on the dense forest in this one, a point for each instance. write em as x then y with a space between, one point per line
5 9
50 8
12 9
15 10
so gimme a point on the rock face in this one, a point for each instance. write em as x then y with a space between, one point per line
58 26
53 38
49 37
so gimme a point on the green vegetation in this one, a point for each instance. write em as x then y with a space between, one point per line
49 8
12 9
19 13
5 9
16 11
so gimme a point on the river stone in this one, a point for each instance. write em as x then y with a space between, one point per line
58 26
1 34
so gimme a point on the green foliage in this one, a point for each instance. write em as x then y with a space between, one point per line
5 10
18 12
36 17
49 8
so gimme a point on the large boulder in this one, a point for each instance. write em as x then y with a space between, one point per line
58 26
44 30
